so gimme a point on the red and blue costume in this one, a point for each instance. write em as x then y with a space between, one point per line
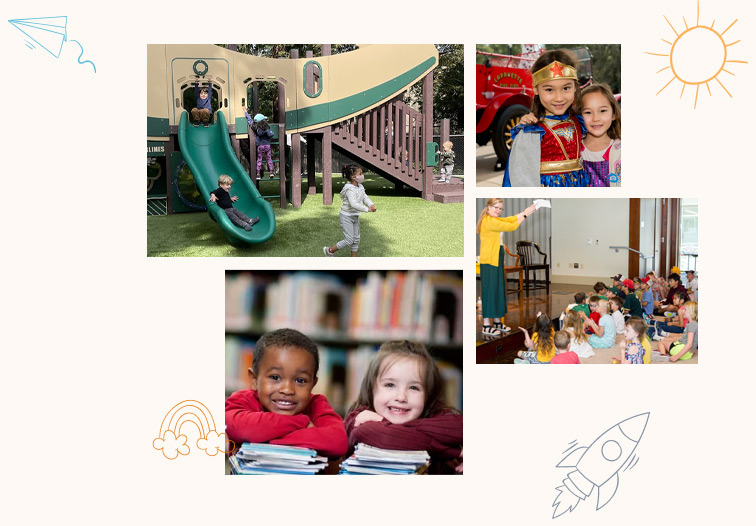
557 163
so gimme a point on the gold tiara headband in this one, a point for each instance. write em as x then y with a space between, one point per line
554 71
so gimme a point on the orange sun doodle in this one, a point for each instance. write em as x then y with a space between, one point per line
698 55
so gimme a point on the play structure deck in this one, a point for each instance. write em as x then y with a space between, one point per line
351 102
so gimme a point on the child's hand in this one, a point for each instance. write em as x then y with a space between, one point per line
530 118
235 198
367 416
372 208
582 315
458 469
213 198
523 329
310 424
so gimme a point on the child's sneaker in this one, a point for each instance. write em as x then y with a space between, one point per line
247 227
664 333
657 338
254 221
206 124
327 252
258 177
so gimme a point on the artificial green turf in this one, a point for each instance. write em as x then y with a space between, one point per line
404 225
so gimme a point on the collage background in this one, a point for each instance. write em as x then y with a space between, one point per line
100 341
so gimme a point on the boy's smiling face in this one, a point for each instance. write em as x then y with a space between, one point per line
203 94
284 380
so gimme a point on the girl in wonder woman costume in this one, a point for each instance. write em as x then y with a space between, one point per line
548 153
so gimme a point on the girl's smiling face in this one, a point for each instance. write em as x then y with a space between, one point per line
556 96
597 114
495 209
399 395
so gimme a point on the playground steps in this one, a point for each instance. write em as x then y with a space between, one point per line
453 192
371 137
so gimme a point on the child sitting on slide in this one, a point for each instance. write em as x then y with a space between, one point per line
226 201
280 408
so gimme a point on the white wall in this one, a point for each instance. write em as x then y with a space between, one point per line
574 221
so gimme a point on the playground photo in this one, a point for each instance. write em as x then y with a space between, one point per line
248 145
548 115
587 281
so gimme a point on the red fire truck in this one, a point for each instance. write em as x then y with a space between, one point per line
504 93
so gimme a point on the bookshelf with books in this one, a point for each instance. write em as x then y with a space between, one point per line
349 314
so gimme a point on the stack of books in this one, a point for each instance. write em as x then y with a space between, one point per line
369 460
261 459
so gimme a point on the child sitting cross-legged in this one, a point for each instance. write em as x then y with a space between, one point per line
563 352
683 348
593 314
605 331
573 324
615 304
541 346
579 305
280 408
676 324
634 350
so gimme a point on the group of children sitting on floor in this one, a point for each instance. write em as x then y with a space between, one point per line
400 405
629 308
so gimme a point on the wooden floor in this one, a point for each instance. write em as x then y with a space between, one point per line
522 311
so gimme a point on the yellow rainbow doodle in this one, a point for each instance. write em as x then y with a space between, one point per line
173 443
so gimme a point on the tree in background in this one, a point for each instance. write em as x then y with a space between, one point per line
448 87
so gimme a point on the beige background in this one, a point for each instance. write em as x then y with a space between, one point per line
98 342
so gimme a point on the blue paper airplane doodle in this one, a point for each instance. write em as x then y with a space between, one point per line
598 465
49 33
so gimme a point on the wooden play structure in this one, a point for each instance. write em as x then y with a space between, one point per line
350 102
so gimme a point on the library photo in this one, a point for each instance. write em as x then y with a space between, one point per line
587 281
344 372
548 115
281 150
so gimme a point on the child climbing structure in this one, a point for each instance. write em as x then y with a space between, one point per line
351 102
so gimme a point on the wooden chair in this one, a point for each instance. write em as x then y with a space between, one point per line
516 268
531 254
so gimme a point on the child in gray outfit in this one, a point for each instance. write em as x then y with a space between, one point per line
354 202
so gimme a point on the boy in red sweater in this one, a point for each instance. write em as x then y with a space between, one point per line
280 408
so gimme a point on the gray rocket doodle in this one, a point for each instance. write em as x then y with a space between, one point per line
598 465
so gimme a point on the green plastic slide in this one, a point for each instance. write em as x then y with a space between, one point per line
208 153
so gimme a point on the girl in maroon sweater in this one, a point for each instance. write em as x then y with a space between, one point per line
400 405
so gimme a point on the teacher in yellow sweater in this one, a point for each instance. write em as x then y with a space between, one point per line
492 281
